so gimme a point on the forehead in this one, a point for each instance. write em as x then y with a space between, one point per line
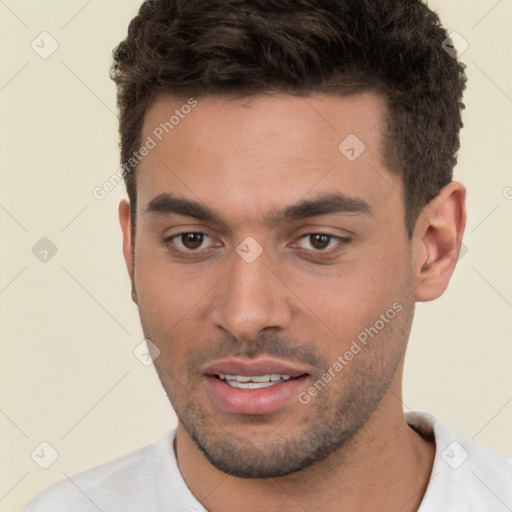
255 154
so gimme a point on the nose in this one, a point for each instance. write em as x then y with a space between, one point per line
251 298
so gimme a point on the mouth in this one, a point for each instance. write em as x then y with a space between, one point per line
253 387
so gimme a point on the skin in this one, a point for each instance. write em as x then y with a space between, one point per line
243 159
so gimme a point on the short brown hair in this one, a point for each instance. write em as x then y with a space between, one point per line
249 47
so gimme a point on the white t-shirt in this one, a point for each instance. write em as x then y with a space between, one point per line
466 477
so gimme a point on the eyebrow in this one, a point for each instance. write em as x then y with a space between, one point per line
325 204
166 204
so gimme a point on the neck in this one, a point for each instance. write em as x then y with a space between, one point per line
386 466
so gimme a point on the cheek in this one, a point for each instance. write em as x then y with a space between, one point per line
341 301
165 292
173 303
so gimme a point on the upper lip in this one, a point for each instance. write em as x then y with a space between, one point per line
249 367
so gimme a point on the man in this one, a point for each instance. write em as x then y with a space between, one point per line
289 172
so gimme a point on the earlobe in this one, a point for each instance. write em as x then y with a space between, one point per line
128 249
437 240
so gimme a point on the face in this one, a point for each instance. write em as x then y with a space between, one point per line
273 272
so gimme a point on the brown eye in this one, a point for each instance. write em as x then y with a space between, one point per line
192 240
319 241
322 244
191 244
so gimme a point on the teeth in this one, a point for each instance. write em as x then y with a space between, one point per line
238 378
260 378
249 385
253 381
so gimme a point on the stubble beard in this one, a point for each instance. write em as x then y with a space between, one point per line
337 414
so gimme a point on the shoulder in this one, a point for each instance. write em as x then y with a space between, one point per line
125 482
466 476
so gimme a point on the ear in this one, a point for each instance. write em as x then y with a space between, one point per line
128 247
437 239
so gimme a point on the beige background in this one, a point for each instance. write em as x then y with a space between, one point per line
69 328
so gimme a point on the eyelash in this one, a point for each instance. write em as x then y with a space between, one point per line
326 252
185 252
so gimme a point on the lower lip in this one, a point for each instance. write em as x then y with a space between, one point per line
254 401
